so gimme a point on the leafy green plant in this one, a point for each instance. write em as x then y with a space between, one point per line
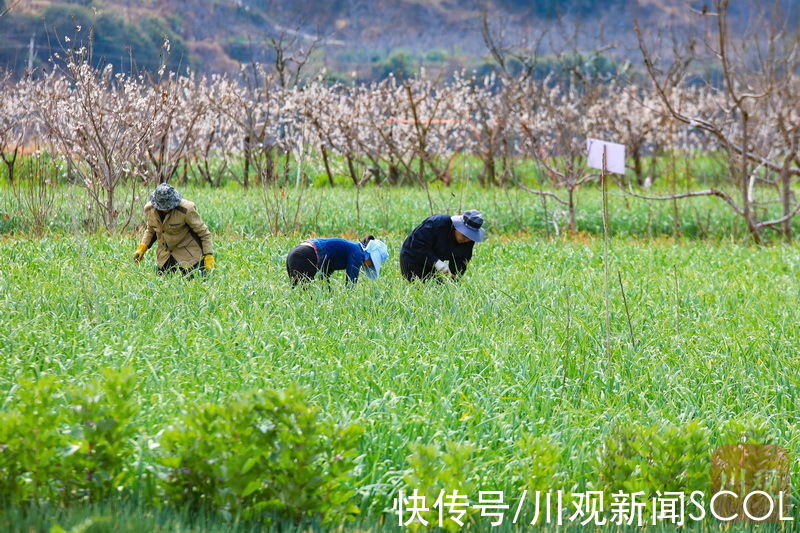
747 430
434 471
62 444
264 454
31 444
660 457
536 465
748 458
101 436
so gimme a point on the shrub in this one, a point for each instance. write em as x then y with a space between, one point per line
749 459
263 455
747 430
536 464
66 446
661 457
399 62
34 191
434 471
31 444
100 437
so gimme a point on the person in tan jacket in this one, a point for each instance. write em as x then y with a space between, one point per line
184 242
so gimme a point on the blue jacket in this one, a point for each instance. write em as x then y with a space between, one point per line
340 254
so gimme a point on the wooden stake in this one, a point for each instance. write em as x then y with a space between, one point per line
604 187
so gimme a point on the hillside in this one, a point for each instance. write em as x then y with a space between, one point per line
359 39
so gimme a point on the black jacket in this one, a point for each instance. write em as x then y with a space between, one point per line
433 240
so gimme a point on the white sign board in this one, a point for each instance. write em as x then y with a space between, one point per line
615 155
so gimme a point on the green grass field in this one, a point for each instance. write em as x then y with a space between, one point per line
514 352
233 212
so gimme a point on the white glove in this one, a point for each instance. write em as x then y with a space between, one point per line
442 267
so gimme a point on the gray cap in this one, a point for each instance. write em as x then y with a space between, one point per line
165 197
469 224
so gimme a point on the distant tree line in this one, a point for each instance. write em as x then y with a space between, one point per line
556 8
33 40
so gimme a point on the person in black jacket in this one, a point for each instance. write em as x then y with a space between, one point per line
441 244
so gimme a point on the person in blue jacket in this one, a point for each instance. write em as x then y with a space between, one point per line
326 256
441 244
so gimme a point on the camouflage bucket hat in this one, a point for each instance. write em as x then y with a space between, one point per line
165 197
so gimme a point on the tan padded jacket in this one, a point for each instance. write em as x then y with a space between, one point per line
182 234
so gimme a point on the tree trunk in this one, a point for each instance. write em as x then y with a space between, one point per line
111 216
489 170
786 199
327 165
654 165
352 171
637 164
571 208
744 175
247 156
11 163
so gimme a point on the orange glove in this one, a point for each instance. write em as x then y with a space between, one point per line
139 253
208 262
